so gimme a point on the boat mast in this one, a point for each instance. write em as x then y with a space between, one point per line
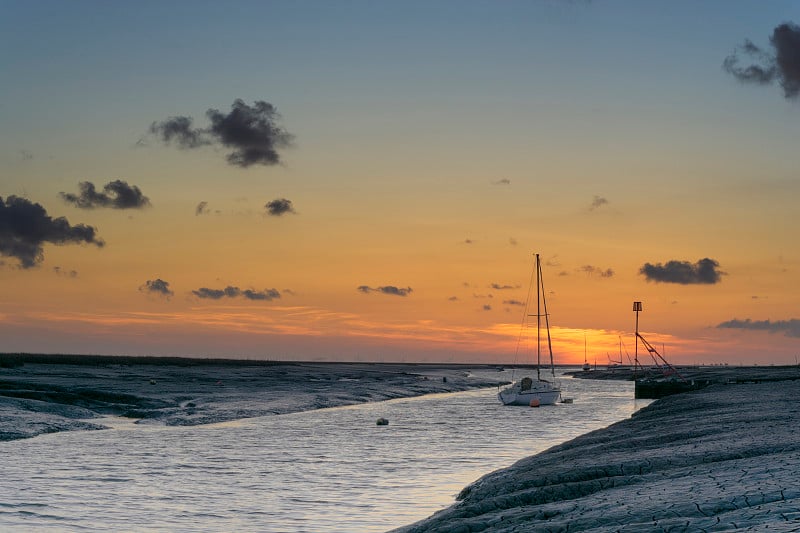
538 318
546 319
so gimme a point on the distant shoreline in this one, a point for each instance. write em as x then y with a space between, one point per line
14 359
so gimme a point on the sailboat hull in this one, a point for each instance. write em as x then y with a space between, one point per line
543 392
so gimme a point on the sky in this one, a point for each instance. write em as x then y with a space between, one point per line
369 181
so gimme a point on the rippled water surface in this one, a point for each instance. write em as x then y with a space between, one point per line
324 470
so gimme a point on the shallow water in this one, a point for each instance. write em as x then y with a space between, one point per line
322 471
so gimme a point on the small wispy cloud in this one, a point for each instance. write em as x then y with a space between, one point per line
279 207
503 287
68 273
158 287
590 270
201 209
504 181
597 203
386 289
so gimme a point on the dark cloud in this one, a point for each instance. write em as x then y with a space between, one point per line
388 289
593 270
201 209
266 294
252 133
469 241
453 299
781 65
279 206
514 302
487 307
236 292
157 286
504 181
705 271
512 241
597 203
116 194
790 328
25 227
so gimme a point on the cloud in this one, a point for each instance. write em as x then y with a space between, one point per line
236 292
683 272
116 194
61 272
597 203
453 299
25 227
487 307
179 131
469 241
279 206
25 155
781 65
157 286
388 289
252 133
514 302
201 209
503 287
790 328
593 270
504 181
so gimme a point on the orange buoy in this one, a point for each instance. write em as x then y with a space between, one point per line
535 402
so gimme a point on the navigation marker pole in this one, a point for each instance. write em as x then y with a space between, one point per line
637 307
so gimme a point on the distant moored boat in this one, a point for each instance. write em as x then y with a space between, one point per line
529 391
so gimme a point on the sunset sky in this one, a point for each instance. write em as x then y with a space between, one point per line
368 181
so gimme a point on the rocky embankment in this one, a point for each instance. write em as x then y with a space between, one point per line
722 458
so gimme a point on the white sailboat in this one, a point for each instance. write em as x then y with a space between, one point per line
532 391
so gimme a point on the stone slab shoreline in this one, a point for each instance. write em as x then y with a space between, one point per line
723 458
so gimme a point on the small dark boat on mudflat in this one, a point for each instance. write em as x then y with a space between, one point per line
670 382
654 388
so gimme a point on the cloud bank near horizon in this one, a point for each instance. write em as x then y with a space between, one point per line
790 328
